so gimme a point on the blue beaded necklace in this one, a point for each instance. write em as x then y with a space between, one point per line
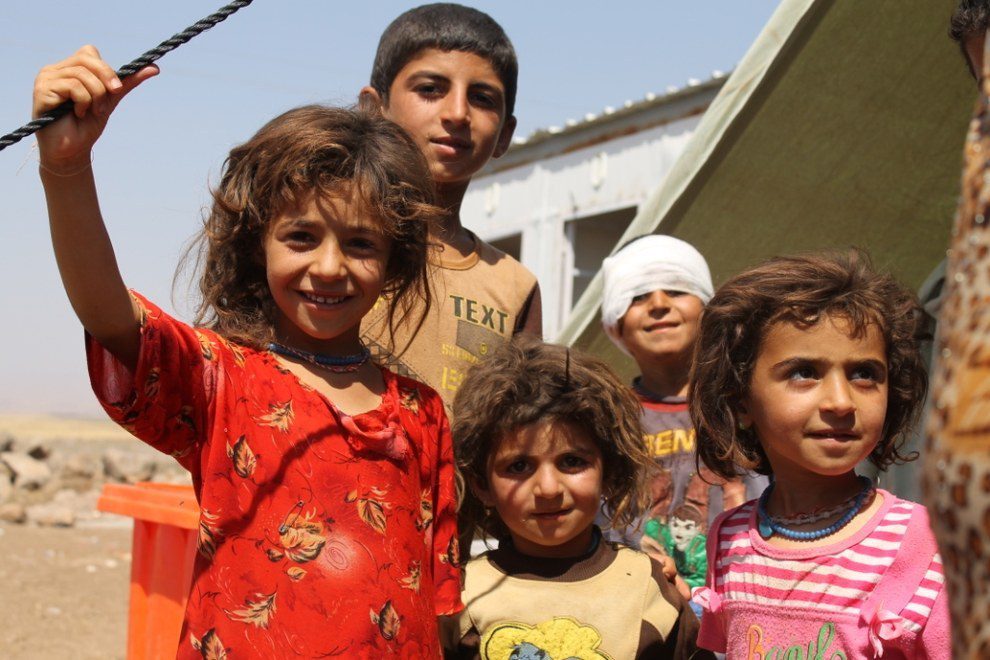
334 363
768 527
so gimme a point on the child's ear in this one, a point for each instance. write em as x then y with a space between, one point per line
481 491
505 137
370 100
743 418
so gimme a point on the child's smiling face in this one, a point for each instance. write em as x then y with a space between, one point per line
326 265
545 482
661 324
818 397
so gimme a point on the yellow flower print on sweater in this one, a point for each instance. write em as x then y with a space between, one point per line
560 638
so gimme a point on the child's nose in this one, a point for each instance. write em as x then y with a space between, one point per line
838 397
659 300
455 107
547 483
329 262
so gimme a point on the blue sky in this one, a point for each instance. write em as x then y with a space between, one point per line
167 140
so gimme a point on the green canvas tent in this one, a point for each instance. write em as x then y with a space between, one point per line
843 125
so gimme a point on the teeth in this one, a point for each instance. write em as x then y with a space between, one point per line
323 300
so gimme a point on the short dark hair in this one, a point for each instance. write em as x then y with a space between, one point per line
322 151
448 27
801 290
527 381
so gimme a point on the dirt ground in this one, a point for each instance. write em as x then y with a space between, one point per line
63 592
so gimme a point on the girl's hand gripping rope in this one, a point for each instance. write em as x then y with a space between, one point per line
92 85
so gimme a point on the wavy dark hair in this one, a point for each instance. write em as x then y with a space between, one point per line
801 290
527 381
312 150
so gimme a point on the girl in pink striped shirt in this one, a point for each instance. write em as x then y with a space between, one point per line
805 367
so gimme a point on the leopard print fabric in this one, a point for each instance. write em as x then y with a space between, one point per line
957 467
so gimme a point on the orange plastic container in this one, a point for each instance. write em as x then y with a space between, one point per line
166 519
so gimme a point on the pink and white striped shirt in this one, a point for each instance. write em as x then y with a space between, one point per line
876 593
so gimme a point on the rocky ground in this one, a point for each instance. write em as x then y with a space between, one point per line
64 566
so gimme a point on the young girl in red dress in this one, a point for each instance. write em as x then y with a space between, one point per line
325 482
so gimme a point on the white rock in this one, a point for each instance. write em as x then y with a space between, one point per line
127 467
6 489
81 466
51 515
29 473
13 512
66 496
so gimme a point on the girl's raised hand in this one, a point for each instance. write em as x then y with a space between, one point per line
92 85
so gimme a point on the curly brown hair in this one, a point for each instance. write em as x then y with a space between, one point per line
801 290
326 152
527 381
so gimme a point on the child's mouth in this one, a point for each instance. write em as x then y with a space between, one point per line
550 515
323 300
840 436
451 145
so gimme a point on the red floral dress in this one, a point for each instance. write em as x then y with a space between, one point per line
321 534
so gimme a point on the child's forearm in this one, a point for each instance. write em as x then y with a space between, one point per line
82 248
683 587
87 264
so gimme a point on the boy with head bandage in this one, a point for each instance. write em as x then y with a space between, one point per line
655 291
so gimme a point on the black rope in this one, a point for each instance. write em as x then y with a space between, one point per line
130 68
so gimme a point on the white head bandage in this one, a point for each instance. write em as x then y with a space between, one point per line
651 263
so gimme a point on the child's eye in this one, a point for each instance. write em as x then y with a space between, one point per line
866 373
573 462
674 294
517 467
484 100
640 298
803 372
299 238
363 244
430 90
